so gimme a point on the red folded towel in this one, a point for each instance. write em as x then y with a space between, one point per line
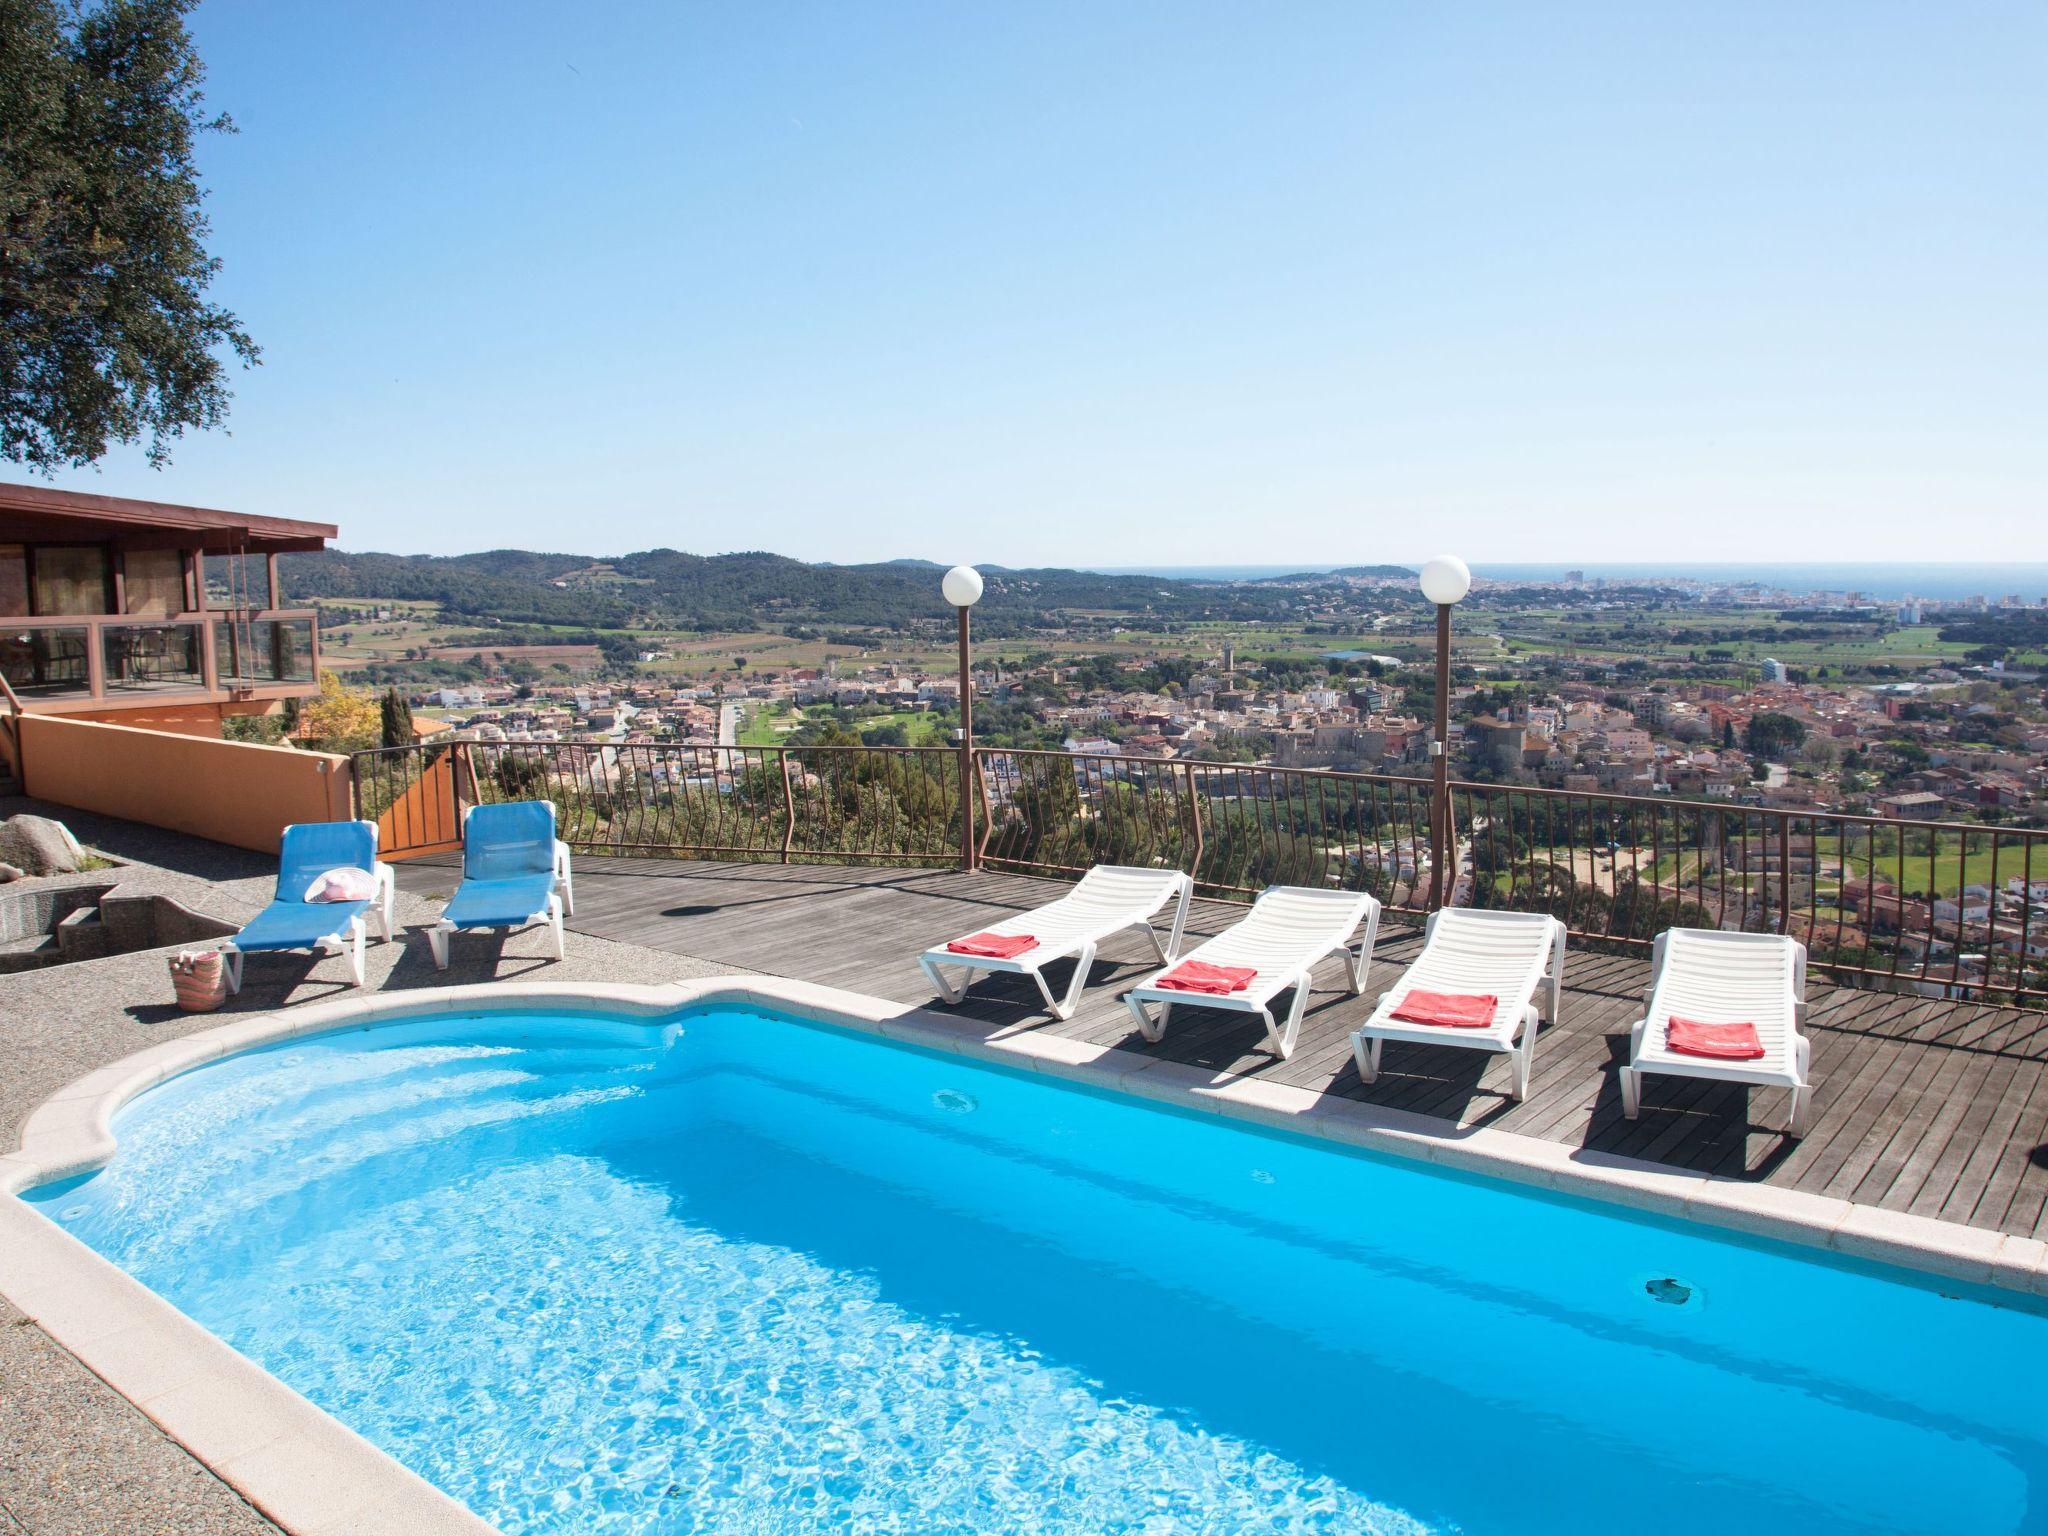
1201 976
1726 1042
996 946
1458 1010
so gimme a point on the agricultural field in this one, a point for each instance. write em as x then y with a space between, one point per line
1703 636
1484 635
347 643
771 726
1950 868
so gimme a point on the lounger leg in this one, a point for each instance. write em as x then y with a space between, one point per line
1361 963
1802 1096
1283 1041
555 922
949 993
568 883
1802 1110
1054 1006
387 884
358 931
1525 1056
1158 946
231 968
1180 920
1632 1076
437 940
1083 963
1554 984
1365 1050
1153 1030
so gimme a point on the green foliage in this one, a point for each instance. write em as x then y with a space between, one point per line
106 334
262 730
395 718
667 588
339 719
1773 735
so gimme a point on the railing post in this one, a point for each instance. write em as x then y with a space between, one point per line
788 807
13 721
95 659
460 767
1194 820
988 810
1784 874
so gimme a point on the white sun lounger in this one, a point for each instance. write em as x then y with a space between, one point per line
1289 929
1476 951
1105 901
1725 978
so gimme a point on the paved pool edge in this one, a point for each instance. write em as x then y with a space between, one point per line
313 1476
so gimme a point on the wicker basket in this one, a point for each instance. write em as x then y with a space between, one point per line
200 975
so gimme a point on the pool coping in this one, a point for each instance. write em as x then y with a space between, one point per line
313 1476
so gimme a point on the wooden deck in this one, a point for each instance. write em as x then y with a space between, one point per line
1937 1108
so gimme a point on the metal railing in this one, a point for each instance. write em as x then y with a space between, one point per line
757 804
1236 828
1951 908
1962 907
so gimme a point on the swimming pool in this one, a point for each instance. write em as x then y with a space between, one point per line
740 1272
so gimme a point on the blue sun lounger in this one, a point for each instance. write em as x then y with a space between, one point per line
332 927
515 872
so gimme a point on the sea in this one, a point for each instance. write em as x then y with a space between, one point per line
1942 581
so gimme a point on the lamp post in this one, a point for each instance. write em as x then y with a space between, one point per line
1445 581
962 588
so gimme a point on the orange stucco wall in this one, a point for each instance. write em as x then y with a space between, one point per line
229 791
180 720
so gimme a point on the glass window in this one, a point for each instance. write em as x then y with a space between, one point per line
45 661
136 657
13 581
153 581
268 651
71 578
238 581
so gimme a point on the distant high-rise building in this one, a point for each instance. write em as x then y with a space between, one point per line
1774 670
1910 611
1575 578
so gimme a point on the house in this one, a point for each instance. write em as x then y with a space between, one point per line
150 614
1917 805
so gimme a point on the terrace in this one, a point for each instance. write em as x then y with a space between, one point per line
1932 1082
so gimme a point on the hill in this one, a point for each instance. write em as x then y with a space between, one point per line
1342 572
666 588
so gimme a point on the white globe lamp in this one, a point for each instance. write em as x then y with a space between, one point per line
1446 579
962 586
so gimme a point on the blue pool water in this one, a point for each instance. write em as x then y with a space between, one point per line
736 1273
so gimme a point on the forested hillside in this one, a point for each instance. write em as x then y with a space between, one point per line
667 588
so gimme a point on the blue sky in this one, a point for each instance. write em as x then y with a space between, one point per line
1138 282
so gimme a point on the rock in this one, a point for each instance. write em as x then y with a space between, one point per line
38 845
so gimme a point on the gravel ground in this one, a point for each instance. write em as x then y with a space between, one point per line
76 1459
